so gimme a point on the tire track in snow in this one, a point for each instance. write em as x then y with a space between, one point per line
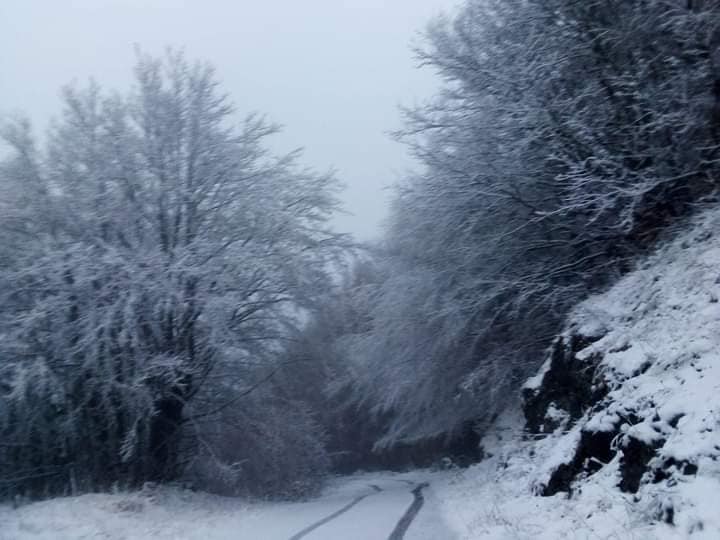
310 528
404 523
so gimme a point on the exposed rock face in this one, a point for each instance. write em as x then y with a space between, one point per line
567 388
636 455
573 387
592 452
566 384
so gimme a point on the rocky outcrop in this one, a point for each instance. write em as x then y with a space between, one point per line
574 388
566 387
571 387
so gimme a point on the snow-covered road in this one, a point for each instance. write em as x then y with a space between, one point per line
363 507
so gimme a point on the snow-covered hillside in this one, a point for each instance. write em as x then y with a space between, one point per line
621 437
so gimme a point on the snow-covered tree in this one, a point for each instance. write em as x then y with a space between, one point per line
566 136
152 244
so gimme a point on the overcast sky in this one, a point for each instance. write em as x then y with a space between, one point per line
333 72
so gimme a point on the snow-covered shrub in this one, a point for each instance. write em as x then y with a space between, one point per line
262 448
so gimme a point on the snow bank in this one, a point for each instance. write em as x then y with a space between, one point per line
655 340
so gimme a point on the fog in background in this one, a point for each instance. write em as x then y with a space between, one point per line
332 72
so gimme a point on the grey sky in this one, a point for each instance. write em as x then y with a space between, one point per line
332 71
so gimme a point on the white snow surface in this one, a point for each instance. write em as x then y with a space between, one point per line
167 513
660 349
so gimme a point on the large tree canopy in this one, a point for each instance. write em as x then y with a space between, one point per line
566 136
150 246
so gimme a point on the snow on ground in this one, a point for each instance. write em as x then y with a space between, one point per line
174 514
495 499
660 350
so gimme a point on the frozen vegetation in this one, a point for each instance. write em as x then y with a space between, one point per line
532 342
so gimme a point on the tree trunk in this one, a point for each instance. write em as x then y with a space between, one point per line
164 434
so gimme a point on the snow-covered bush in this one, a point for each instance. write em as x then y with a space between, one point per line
263 447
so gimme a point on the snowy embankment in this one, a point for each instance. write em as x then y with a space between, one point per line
363 507
621 433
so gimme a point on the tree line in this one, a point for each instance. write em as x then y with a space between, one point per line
566 137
